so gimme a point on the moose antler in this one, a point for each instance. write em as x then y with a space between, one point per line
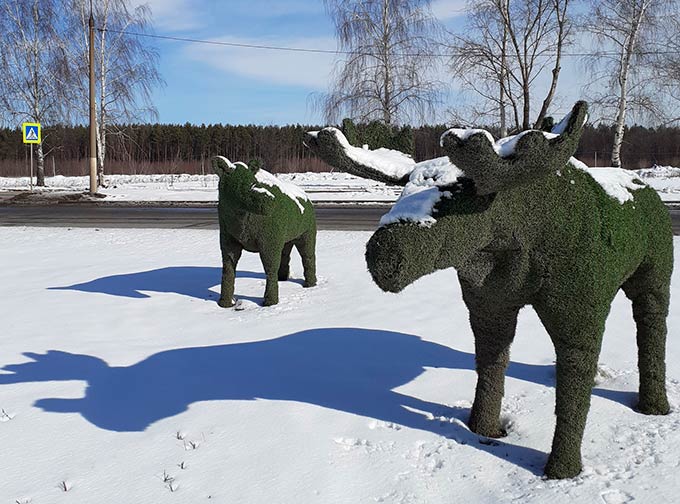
384 165
518 159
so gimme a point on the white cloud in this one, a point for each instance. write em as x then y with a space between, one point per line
171 15
275 8
311 70
448 9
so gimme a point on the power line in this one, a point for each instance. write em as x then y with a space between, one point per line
340 52
228 44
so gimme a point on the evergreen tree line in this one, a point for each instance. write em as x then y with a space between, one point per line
166 148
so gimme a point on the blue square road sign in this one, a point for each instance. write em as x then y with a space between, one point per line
31 132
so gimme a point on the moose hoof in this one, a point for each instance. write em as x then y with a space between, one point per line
494 432
309 283
270 302
226 303
660 407
490 433
561 469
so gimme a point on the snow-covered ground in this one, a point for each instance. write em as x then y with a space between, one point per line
333 187
122 381
326 187
665 179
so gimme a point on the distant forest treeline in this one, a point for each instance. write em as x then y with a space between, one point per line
162 148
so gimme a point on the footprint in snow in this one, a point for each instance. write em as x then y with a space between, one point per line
245 304
615 497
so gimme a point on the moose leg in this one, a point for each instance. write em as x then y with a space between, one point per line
271 261
494 332
231 253
306 246
284 268
577 339
650 308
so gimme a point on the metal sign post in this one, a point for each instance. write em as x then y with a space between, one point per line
30 178
32 135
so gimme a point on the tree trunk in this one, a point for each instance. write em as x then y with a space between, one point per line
102 123
387 105
526 124
551 93
40 171
620 127
623 85
504 63
561 21
101 153
503 120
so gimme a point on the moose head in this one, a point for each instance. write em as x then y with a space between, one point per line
466 231
239 186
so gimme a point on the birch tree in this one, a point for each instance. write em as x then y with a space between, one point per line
506 47
32 69
387 74
126 69
625 34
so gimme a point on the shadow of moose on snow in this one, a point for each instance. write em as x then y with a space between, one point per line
191 281
345 369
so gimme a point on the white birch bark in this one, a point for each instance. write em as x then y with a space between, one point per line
639 9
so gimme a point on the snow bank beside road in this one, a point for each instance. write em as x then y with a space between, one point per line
665 179
332 186
659 172
339 187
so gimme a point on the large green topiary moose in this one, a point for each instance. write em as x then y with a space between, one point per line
523 223
260 213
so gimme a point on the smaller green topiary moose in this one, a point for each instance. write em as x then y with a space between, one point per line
260 213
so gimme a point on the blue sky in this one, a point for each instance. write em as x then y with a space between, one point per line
211 84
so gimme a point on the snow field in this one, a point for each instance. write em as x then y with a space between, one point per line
334 186
139 388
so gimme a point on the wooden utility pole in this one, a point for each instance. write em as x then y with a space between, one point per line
93 118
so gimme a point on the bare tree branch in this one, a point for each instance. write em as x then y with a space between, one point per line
388 73
506 47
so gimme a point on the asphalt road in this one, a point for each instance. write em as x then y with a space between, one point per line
346 218
356 218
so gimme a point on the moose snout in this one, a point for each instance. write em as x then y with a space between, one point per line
399 254
385 263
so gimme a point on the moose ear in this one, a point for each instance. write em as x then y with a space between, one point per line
254 165
573 122
222 166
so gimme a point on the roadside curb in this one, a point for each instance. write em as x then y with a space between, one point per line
28 199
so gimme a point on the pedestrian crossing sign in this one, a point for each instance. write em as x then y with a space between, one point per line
31 133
